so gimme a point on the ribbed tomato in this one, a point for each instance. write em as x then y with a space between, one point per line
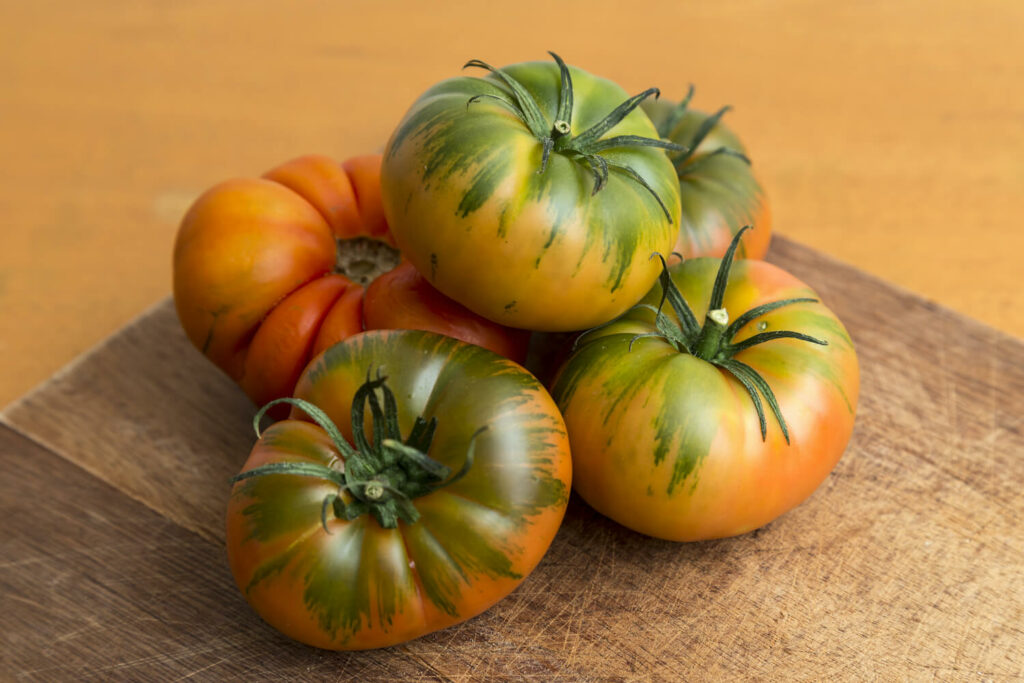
430 483
534 196
270 271
718 191
667 419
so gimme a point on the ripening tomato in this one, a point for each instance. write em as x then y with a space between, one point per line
534 196
686 431
431 481
718 191
270 271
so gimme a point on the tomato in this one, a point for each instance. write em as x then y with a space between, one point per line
270 271
533 196
718 190
687 432
403 299
430 483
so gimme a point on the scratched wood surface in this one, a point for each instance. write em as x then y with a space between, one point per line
908 562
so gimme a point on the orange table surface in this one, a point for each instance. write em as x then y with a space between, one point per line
890 135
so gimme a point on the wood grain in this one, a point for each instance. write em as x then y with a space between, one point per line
906 563
95 586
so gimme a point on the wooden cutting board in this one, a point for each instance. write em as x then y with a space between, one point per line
907 563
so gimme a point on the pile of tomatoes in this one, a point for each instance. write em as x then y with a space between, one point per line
384 309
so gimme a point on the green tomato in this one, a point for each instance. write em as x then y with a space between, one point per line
534 196
718 190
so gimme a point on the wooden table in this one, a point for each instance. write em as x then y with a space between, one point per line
906 564
887 134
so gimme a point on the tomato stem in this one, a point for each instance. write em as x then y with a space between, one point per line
379 476
685 163
668 124
587 146
709 342
712 341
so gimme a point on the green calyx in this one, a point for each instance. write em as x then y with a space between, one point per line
685 162
712 341
379 477
587 146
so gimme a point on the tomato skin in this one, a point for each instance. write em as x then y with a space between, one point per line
719 194
347 195
468 206
364 586
281 346
242 247
254 285
669 445
402 298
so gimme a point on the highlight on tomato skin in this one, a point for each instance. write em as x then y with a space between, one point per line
270 271
713 406
417 482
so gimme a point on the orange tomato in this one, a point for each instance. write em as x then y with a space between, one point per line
416 501
270 271
688 431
